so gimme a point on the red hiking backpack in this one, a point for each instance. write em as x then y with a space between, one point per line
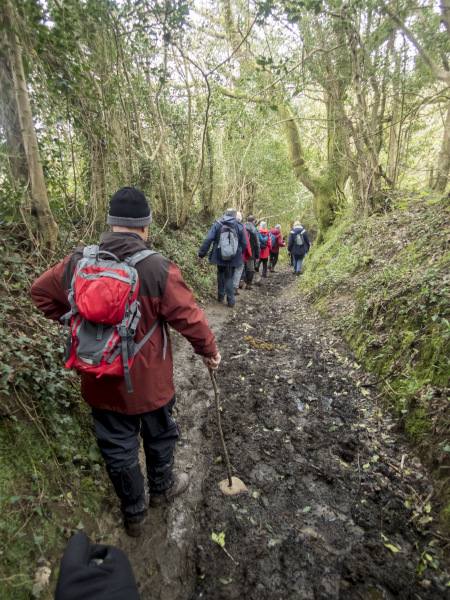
105 314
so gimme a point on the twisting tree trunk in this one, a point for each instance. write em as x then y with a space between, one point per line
47 227
327 187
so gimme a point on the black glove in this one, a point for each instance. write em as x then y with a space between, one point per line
92 572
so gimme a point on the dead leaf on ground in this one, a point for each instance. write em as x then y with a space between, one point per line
42 577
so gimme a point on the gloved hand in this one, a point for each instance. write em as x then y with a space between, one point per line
93 572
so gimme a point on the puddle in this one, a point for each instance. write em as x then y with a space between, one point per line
375 593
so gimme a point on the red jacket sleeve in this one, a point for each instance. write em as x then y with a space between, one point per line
48 294
179 309
280 241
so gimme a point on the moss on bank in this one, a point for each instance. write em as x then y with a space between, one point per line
385 282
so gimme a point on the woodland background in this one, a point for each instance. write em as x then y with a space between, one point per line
335 112
205 105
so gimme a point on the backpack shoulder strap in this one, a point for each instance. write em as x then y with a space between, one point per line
90 251
133 260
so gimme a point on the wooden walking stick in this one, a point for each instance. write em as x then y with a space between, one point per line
232 485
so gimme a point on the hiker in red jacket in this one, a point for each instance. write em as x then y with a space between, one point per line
119 416
266 245
277 243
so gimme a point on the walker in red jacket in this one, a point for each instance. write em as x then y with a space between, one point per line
266 245
275 234
119 416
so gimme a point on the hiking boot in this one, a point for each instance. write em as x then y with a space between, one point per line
134 529
231 305
236 291
220 298
179 486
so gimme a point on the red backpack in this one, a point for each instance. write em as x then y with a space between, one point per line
105 314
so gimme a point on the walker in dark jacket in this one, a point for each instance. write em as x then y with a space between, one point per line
225 268
298 252
253 235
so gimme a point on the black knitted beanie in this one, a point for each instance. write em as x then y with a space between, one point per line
128 208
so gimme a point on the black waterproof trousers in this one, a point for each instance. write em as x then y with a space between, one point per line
117 437
273 259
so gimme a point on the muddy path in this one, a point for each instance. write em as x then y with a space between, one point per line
338 504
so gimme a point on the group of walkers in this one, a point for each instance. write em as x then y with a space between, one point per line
239 250
113 298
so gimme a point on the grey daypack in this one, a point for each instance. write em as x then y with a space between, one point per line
105 314
298 240
228 241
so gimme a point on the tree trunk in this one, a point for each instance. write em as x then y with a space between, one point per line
97 187
327 188
249 200
443 162
369 162
393 142
47 227
329 197
11 125
208 207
